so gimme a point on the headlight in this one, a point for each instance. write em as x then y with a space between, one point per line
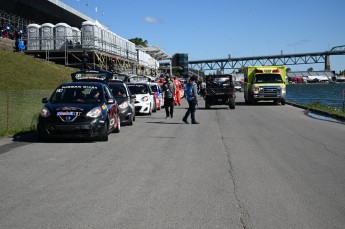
145 98
283 90
256 90
95 112
123 105
44 112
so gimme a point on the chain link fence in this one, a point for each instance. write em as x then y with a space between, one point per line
19 109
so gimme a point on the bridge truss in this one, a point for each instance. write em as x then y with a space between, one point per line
291 59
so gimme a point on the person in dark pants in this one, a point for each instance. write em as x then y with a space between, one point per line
191 93
169 93
84 60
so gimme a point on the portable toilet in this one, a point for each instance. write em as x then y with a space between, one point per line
91 35
76 37
47 36
63 36
33 33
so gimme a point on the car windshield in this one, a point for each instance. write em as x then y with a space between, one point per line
77 94
138 88
268 78
118 90
219 82
154 88
122 77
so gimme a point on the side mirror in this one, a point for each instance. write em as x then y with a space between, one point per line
44 100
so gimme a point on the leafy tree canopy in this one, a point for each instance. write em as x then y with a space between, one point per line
139 41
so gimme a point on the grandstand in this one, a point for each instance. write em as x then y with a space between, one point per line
56 32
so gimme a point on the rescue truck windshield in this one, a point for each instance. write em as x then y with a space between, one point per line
268 78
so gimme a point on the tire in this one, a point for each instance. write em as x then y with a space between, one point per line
41 137
232 103
283 102
246 101
118 128
207 105
154 108
130 123
150 111
104 134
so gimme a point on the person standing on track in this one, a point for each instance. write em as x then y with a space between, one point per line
191 94
169 94
177 83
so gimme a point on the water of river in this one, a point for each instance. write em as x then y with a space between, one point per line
327 94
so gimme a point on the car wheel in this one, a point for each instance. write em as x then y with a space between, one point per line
104 134
41 137
130 123
232 103
150 111
118 127
154 108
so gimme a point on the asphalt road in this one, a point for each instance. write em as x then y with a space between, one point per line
258 166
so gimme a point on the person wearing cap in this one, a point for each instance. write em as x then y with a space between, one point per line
169 93
191 93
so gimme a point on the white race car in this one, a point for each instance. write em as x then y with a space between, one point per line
144 101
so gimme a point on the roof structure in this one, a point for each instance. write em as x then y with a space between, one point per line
154 52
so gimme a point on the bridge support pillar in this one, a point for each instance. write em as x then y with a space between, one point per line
327 63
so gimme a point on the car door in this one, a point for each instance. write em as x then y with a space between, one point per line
131 98
152 98
111 106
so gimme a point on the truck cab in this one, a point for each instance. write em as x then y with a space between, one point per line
265 83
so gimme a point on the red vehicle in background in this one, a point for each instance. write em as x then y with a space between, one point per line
158 95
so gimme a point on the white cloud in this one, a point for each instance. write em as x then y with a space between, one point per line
151 20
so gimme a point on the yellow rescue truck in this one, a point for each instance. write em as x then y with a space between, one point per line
265 83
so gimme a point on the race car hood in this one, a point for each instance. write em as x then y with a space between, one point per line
140 96
72 107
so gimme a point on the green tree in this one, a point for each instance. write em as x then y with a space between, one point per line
139 41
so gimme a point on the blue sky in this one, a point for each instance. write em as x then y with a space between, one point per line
212 29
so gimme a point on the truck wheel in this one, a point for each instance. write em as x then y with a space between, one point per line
276 102
207 105
283 102
232 103
246 101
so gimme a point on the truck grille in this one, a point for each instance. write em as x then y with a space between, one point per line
271 90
